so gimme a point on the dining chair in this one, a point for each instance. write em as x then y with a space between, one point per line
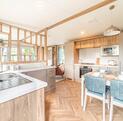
116 95
95 87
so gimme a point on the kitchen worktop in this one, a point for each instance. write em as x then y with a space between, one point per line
34 69
26 85
97 65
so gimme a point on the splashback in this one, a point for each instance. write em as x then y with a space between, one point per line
89 55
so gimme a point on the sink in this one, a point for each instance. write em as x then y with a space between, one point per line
4 77
9 80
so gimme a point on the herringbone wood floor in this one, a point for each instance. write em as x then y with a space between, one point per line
63 104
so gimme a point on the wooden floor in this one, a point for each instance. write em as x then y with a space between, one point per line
63 104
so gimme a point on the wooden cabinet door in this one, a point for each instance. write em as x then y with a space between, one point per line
21 109
30 107
6 111
51 78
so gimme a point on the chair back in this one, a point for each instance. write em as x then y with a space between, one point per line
117 89
95 84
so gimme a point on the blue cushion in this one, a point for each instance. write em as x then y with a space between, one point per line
117 100
95 84
117 89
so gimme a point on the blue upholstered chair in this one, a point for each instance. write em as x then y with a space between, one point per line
95 87
116 95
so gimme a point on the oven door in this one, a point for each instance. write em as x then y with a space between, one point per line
85 70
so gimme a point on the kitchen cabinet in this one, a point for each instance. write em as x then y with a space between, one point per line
47 75
87 44
97 42
50 78
28 107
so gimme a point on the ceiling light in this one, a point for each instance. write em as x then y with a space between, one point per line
82 32
112 30
40 3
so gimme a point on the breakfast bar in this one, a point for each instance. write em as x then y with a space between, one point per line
21 97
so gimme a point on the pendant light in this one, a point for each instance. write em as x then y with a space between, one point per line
112 30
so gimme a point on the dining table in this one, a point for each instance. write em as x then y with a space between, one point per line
108 76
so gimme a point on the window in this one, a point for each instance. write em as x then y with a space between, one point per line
28 54
50 56
60 55
14 54
4 53
18 44
4 48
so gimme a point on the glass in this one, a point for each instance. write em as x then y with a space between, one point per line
14 34
28 54
5 28
28 38
38 40
34 39
3 47
21 35
60 55
4 54
14 54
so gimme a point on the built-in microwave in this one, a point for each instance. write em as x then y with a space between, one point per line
112 50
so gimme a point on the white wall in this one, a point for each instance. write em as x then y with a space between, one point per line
69 60
89 55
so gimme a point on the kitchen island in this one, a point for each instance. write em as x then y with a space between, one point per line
21 98
46 74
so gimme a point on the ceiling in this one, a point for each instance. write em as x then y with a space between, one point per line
94 23
38 14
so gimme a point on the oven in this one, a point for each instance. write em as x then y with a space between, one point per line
84 70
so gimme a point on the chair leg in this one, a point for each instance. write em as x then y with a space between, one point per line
111 110
85 100
91 99
104 108
108 102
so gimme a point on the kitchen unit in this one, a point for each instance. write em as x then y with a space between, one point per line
74 59
46 74
21 98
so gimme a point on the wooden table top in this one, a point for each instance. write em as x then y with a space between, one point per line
105 75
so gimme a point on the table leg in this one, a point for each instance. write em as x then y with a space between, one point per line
82 91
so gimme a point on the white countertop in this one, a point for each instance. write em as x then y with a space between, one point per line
12 93
34 69
95 65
